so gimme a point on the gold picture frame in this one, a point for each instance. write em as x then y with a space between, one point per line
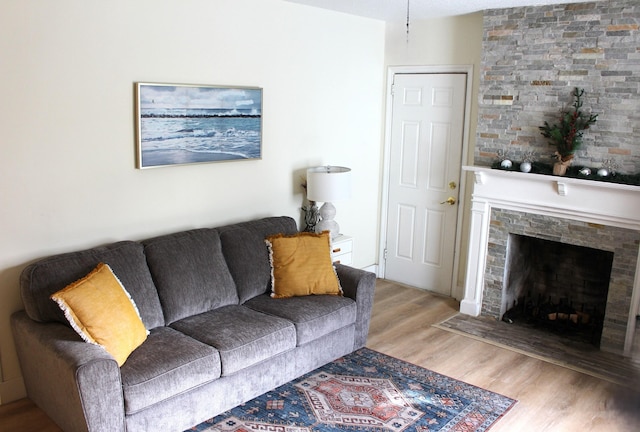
179 124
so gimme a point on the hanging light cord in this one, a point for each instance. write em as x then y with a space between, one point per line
408 20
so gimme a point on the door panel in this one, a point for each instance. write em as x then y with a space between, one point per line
409 154
425 157
434 227
406 233
438 156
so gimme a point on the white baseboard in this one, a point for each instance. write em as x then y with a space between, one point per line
373 268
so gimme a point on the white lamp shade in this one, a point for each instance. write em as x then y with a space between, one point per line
328 183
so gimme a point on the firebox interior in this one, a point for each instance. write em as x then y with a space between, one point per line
556 286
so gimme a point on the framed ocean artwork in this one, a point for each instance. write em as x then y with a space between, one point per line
179 124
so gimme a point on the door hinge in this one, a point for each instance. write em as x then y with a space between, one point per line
385 254
393 89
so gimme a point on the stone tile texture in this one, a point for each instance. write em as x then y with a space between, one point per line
532 59
623 243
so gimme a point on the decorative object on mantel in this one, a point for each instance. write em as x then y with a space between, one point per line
527 159
567 135
609 168
505 162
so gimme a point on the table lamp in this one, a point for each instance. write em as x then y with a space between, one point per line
328 184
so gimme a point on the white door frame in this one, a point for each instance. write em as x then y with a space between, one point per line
456 291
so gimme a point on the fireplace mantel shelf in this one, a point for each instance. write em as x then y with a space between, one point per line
483 173
586 200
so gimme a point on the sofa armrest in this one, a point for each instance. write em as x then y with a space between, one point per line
360 286
75 383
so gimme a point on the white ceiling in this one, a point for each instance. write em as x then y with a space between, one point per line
396 10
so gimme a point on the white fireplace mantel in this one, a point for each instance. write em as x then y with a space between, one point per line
588 201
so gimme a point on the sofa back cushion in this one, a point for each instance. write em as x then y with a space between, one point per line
247 255
49 275
190 273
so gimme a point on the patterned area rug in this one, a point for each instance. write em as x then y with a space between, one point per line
367 391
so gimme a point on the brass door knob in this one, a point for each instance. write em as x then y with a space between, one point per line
451 201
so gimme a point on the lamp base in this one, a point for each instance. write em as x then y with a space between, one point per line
327 212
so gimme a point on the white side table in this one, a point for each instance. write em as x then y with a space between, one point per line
342 250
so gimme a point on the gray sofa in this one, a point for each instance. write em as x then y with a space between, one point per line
217 339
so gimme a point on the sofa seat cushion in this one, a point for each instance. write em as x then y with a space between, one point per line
243 336
313 316
166 364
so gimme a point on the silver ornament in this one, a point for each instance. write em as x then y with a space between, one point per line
506 163
525 167
603 172
585 171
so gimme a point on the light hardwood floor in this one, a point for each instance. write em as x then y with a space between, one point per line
550 397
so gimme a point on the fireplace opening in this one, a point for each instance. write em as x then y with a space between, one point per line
557 287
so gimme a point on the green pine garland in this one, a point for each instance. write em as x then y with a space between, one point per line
566 135
574 172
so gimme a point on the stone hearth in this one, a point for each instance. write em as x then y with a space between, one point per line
577 212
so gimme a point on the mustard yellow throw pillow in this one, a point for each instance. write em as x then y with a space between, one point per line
103 313
301 265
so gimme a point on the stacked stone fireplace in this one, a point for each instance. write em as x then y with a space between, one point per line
578 267
532 58
564 292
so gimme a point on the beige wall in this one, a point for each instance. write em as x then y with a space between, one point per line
444 41
67 158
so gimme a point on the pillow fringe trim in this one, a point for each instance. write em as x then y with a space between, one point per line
335 270
72 322
273 279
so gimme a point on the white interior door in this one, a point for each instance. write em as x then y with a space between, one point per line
427 129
